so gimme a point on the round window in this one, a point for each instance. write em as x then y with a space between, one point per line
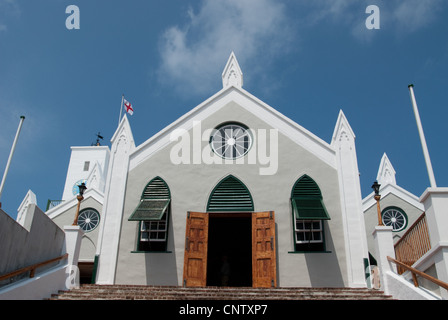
231 141
88 219
395 217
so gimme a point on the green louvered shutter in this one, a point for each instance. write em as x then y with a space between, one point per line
230 195
156 189
153 203
306 200
306 187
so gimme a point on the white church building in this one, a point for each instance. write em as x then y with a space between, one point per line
232 179
233 193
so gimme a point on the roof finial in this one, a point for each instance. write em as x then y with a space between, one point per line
386 172
232 74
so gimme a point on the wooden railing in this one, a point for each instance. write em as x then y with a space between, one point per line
31 268
414 244
416 273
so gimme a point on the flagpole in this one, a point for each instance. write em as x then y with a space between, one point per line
121 109
22 118
422 138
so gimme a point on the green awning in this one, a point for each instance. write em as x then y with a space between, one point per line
309 208
150 210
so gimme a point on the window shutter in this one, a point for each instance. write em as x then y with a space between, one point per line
306 200
230 195
154 201
309 209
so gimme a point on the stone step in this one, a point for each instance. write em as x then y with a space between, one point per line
136 292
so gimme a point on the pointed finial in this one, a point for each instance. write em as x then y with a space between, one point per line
232 74
386 172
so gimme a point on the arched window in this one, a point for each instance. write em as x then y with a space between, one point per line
230 194
152 213
309 212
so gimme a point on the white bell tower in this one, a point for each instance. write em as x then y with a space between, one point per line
89 165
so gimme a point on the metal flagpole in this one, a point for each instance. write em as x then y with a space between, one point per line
22 118
121 109
422 138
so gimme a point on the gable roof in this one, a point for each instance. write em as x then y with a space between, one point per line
73 202
258 108
386 177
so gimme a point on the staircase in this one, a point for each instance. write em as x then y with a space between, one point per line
136 292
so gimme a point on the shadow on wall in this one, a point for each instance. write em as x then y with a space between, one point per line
38 240
324 268
161 267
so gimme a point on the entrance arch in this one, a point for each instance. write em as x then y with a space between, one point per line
229 259
231 230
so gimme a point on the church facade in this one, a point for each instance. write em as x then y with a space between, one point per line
232 193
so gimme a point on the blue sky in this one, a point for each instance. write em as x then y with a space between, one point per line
307 59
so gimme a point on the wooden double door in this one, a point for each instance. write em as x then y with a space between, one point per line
201 238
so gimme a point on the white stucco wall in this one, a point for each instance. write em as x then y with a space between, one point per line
89 239
191 186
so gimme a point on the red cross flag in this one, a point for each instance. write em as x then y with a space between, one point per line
128 107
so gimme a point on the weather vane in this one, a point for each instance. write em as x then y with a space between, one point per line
98 138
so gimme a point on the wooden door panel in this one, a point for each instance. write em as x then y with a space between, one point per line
264 270
195 259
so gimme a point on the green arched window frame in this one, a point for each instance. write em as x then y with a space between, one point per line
152 213
308 215
230 194
307 200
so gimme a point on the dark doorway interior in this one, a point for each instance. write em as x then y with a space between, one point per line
230 239
85 272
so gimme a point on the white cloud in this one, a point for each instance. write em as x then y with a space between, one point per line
411 15
194 55
7 8
397 16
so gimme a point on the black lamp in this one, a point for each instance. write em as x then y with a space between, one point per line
82 187
376 187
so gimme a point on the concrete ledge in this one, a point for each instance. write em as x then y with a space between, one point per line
40 287
401 289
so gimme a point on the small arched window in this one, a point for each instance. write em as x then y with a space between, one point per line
309 212
152 213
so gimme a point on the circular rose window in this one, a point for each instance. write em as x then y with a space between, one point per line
231 141
395 217
88 219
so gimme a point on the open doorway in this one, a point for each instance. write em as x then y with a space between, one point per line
229 259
